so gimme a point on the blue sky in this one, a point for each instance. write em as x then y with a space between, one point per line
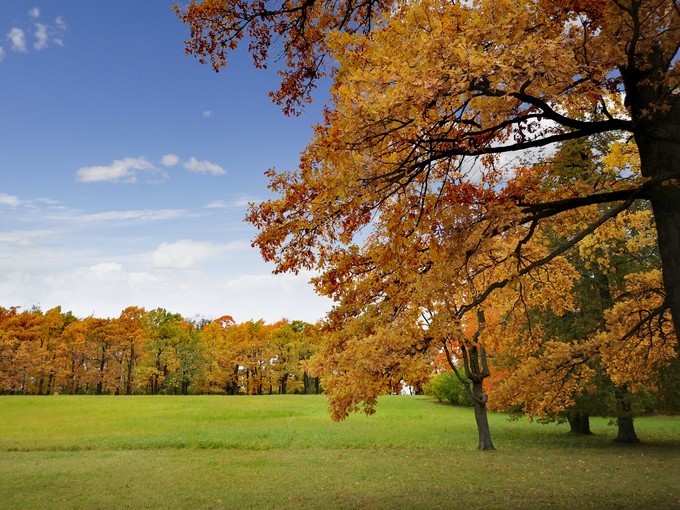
127 167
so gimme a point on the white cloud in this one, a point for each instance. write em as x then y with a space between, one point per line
207 114
181 255
24 238
44 33
188 254
204 167
121 170
217 204
106 268
117 216
170 159
2 53
16 35
61 25
275 296
105 287
237 203
10 200
40 36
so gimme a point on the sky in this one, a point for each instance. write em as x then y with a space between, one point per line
127 167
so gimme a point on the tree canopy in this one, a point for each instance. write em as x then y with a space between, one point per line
406 200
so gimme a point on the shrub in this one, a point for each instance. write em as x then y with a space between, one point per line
446 386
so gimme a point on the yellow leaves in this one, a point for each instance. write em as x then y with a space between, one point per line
547 384
622 157
639 338
630 234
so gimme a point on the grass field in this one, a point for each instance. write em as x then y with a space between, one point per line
284 452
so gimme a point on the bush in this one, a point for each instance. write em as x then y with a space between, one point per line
446 386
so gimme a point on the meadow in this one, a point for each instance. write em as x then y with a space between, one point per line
284 452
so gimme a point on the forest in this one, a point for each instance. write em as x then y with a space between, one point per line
151 352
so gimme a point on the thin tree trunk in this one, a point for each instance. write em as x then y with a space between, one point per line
130 367
483 430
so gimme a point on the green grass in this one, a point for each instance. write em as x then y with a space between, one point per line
284 452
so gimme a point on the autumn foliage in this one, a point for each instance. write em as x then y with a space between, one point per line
151 352
428 215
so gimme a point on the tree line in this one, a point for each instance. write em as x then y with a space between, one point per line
151 352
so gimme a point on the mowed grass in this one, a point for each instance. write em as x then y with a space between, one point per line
285 452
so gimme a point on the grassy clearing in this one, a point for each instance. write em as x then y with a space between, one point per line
284 452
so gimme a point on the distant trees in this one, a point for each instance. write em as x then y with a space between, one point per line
151 352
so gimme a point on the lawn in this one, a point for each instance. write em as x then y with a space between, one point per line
284 452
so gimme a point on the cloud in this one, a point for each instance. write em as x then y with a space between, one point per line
10 200
237 203
40 36
217 204
117 216
184 254
207 114
170 160
188 254
121 170
24 238
204 167
2 53
44 33
18 38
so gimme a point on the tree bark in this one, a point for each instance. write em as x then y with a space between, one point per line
483 430
130 367
579 423
284 381
665 201
624 417
476 370
655 112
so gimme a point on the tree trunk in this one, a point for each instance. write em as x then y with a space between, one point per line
624 417
665 201
480 399
130 367
579 423
655 112
284 380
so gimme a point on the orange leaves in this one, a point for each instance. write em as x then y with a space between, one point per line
547 384
299 27
404 202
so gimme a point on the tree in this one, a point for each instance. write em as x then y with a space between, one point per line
162 331
418 87
616 336
250 339
130 327
72 357
221 366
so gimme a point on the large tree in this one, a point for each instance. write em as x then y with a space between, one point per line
404 199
